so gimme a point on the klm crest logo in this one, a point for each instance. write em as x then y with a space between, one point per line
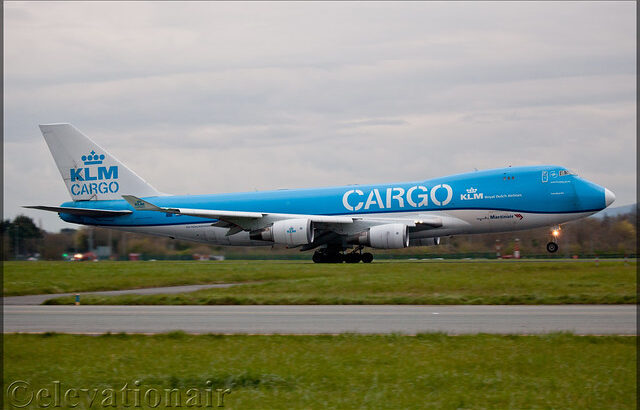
99 173
291 230
92 158
103 176
472 193
138 204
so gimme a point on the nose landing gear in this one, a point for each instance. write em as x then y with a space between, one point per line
553 245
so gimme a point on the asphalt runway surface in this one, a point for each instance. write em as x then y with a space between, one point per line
324 319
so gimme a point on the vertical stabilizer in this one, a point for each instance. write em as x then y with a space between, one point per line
89 171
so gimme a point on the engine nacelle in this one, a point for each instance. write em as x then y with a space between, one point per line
290 232
425 242
389 236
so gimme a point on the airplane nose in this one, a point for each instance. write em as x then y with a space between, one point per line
609 197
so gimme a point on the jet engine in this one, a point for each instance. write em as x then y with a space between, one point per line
389 236
290 232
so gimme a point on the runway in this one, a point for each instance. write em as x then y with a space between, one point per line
325 319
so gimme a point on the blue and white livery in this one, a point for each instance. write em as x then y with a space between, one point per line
332 220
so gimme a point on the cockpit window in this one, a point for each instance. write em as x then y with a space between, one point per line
566 172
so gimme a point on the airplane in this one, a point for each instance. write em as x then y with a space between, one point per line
338 222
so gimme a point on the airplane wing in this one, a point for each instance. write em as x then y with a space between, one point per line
245 220
238 221
141 205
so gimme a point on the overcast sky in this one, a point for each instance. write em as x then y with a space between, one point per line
211 97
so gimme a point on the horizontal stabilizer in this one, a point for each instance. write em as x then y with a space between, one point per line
97 213
141 204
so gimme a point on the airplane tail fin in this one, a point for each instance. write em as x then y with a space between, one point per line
89 171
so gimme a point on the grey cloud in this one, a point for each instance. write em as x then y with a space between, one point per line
243 96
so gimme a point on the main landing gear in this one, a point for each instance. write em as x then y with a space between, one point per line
335 255
553 245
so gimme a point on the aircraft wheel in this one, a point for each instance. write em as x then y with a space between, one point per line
552 247
367 257
328 257
318 257
336 258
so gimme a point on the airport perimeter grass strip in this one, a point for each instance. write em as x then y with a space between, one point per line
267 282
31 278
343 371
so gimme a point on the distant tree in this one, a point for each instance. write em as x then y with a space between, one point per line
21 236
81 240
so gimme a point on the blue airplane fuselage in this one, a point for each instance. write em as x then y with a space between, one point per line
541 190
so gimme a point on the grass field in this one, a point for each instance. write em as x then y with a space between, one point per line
345 371
269 282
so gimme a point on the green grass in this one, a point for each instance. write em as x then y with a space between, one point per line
30 278
560 371
269 282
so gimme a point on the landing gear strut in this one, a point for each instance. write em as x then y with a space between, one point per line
335 255
367 257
